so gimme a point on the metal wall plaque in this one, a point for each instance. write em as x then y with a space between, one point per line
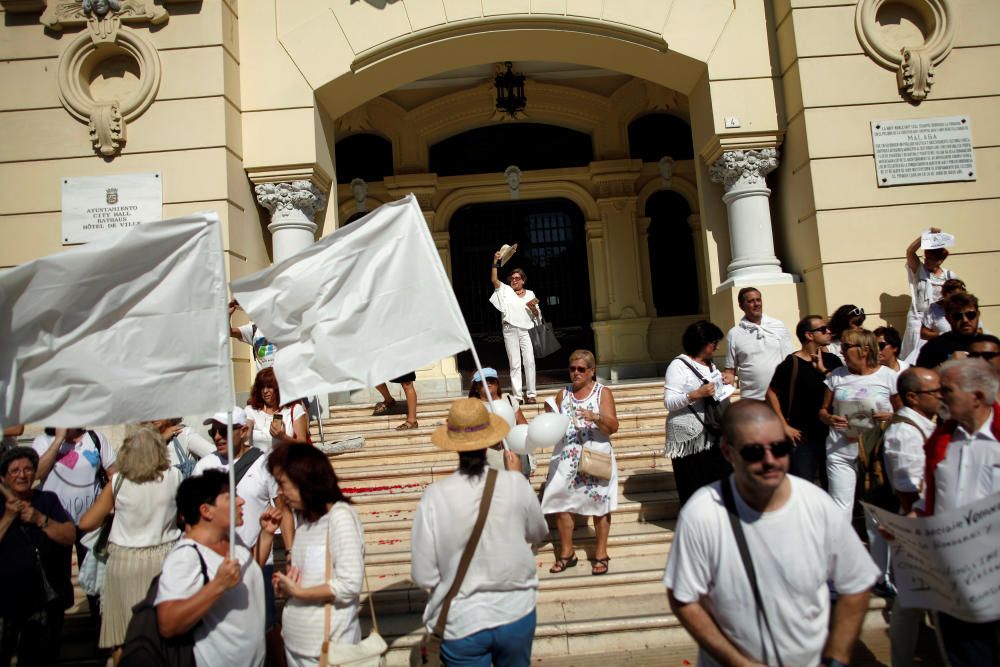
95 207
926 150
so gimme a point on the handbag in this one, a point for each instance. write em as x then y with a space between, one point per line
101 547
594 463
428 650
741 543
370 651
543 338
714 410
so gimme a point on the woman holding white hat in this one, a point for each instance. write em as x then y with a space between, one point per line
519 309
491 617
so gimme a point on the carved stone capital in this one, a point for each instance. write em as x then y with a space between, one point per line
744 168
103 18
291 198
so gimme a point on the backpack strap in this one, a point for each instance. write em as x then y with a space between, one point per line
102 473
201 562
703 382
243 463
901 419
791 382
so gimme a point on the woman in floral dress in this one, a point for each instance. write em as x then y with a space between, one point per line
590 407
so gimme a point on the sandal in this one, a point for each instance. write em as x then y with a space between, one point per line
406 426
600 566
563 563
383 407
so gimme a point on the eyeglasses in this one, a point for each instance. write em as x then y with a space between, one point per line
755 453
513 278
578 369
935 390
822 329
984 355
970 315
220 429
26 471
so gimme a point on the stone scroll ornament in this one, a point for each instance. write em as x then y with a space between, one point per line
913 63
105 38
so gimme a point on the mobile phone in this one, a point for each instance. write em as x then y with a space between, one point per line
279 418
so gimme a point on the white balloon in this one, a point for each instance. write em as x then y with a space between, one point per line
503 409
546 430
517 439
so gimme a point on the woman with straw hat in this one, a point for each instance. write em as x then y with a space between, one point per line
492 616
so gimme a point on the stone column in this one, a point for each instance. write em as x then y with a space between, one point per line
642 239
598 256
694 222
292 205
742 173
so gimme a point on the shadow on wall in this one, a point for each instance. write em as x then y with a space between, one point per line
893 309
377 4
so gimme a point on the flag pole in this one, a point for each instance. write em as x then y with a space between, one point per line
232 484
319 418
490 403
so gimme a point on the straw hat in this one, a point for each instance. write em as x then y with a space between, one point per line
506 252
470 426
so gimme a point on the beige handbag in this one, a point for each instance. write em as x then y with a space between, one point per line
594 463
369 652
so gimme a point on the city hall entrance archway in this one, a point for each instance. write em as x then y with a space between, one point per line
552 251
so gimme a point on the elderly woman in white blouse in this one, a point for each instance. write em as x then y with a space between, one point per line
328 557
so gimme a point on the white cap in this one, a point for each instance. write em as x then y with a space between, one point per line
239 417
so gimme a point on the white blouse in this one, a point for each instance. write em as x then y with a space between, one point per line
146 514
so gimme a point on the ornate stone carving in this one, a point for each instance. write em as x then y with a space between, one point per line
102 17
745 168
512 175
666 167
359 189
107 128
914 54
290 198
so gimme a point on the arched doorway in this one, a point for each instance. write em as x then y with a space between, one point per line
552 251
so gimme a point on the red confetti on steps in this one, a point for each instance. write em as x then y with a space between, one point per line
392 488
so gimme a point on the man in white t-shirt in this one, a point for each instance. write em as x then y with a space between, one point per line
227 610
263 350
755 346
798 541
254 485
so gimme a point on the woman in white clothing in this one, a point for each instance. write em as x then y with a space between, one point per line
184 447
142 496
272 423
859 396
926 279
593 420
518 307
935 320
846 318
492 618
328 556
688 387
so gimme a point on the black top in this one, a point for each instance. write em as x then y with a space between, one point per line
809 392
20 580
938 350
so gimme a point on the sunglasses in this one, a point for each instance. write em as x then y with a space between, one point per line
220 429
882 345
822 329
856 312
755 453
984 355
846 346
578 369
970 315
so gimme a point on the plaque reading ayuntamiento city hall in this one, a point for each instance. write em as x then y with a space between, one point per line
926 150
95 207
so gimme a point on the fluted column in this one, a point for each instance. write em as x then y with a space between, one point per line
742 174
293 206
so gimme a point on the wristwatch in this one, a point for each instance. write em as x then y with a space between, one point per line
832 662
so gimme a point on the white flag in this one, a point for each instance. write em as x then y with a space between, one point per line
119 330
363 305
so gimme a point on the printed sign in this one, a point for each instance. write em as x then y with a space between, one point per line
949 562
95 207
926 150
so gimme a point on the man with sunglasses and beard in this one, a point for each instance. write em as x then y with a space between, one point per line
796 539
962 310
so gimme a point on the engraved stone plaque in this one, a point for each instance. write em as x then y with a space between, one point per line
95 207
925 150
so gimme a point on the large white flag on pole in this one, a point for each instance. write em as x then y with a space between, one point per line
361 306
119 330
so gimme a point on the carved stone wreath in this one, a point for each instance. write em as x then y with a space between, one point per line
914 65
105 39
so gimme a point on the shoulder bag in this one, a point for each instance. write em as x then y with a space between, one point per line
370 651
101 547
543 338
741 543
428 650
185 462
714 410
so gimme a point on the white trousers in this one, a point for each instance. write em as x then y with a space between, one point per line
842 477
519 350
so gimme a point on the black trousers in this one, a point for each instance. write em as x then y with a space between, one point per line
695 471
970 644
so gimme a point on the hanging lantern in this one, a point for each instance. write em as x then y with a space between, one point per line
510 92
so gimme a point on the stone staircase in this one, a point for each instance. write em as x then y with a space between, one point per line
578 614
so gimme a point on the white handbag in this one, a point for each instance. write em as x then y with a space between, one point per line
369 652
